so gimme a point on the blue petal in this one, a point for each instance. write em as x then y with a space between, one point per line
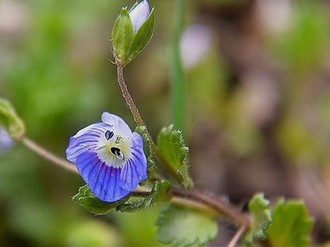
103 180
135 170
116 122
85 140
5 141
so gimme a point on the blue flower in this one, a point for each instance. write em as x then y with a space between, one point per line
5 141
109 157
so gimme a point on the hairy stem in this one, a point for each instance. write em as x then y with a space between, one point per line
47 155
139 121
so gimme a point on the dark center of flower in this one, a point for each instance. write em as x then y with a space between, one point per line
109 134
117 152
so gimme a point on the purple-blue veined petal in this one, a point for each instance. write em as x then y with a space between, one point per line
103 180
116 122
135 169
85 140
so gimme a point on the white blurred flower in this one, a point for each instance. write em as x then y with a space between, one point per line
195 42
138 14
274 16
13 17
5 141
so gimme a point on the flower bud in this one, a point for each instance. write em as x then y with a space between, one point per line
138 14
132 32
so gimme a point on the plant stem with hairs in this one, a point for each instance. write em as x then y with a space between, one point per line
139 121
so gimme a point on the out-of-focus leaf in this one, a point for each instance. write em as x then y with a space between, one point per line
260 221
185 227
157 194
171 144
291 225
10 121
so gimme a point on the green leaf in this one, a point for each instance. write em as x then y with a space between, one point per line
185 227
171 145
86 199
291 225
142 37
10 121
122 36
157 194
260 221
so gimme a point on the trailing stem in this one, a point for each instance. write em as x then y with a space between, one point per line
49 155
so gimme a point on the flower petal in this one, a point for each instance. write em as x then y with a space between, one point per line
103 180
116 122
85 140
5 141
138 14
135 170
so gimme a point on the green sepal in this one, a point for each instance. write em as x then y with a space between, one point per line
291 225
260 219
171 145
158 194
10 121
185 227
86 199
142 130
122 36
142 37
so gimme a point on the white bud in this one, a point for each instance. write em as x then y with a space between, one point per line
138 14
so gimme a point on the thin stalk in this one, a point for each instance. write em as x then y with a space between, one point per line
177 74
47 155
220 206
139 121
234 241
183 202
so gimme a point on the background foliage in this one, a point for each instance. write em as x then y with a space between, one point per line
257 115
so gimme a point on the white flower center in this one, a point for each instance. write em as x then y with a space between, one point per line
114 148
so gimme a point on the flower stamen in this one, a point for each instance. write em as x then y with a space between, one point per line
117 152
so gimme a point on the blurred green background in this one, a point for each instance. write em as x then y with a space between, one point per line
257 113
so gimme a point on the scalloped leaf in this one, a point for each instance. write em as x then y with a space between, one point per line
86 199
171 144
10 121
183 227
291 225
260 221
157 194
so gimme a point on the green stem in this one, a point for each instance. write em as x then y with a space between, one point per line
236 238
48 155
177 74
216 204
139 121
